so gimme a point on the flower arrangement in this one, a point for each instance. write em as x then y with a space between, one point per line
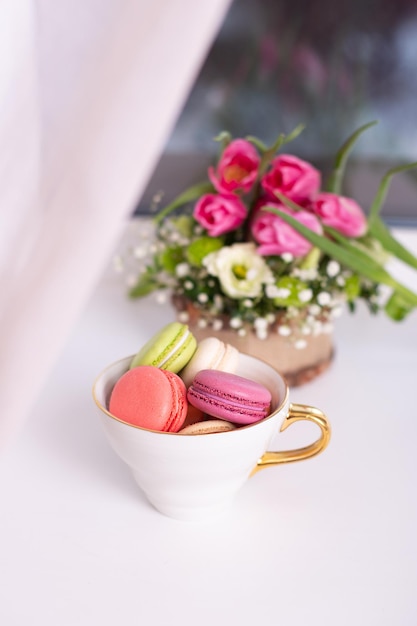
262 243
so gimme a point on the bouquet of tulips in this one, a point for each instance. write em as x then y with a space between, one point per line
263 239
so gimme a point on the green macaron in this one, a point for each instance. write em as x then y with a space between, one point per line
170 349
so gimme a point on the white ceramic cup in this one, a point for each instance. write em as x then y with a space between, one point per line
195 477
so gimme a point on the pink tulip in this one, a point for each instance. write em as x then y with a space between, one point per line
293 177
342 214
237 169
219 214
277 237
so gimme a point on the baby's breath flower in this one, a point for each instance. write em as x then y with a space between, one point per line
261 333
332 269
182 270
305 295
183 317
218 301
161 297
284 330
140 252
306 274
260 323
336 311
235 322
217 324
324 298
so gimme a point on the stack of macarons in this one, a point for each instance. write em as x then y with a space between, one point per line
176 385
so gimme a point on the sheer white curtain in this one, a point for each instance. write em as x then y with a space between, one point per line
89 91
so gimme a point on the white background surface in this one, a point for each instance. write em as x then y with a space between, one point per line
329 541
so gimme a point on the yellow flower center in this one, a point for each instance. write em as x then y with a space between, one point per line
240 271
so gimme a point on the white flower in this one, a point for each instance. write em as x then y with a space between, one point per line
336 311
287 257
161 297
306 274
140 252
262 333
333 268
282 292
284 330
218 301
261 323
183 317
182 270
324 298
241 271
272 291
305 295
202 297
217 324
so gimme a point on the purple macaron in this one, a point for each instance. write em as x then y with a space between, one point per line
229 397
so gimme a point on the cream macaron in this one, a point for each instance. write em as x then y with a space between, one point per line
211 353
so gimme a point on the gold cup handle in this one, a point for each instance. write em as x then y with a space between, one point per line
296 413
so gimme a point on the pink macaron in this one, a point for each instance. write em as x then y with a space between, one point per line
149 397
229 397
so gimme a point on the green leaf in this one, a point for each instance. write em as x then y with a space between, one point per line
397 307
352 287
294 286
143 287
201 247
378 229
347 255
224 138
293 134
281 140
336 178
376 226
311 260
190 194
383 189
170 257
262 147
